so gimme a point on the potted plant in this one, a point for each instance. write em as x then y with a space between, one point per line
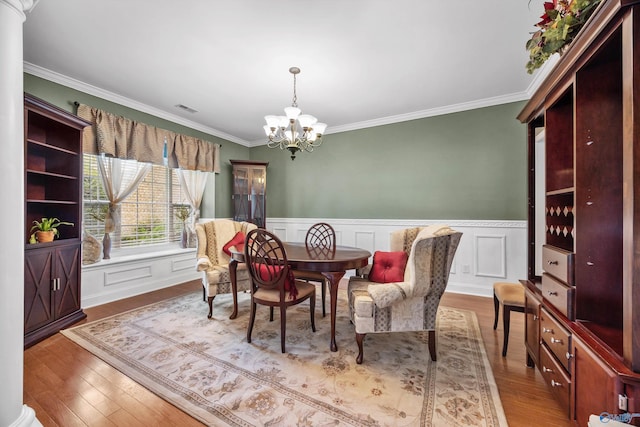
46 230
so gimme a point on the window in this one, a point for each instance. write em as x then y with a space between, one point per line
147 215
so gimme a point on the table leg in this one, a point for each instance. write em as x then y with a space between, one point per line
233 267
334 280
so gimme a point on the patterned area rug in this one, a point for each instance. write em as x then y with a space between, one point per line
207 368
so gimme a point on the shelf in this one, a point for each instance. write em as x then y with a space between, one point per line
561 191
51 147
52 202
51 174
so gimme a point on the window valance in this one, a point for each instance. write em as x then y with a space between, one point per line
128 139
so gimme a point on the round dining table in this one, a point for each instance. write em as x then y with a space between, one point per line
331 263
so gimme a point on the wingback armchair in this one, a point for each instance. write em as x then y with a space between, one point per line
213 262
411 304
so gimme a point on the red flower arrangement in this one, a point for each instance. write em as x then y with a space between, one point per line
561 22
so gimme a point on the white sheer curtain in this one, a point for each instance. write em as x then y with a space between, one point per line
120 178
193 184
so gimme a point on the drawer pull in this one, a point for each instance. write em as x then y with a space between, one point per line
555 384
552 262
589 263
547 331
568 355
556 340
545 369
552 293
589 203
535 317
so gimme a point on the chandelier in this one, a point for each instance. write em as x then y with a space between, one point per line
294 131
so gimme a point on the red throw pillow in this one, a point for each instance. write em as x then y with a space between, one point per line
267 272
238 239
388 267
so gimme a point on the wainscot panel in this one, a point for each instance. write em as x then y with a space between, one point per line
126 276
489 251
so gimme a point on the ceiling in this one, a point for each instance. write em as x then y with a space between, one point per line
363 62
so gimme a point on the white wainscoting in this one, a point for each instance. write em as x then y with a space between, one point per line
134 274
489 251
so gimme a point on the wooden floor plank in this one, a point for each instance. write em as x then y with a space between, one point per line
93 393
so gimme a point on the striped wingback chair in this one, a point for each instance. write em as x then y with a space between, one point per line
410 305
213 262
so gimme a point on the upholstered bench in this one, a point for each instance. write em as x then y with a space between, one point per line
511 297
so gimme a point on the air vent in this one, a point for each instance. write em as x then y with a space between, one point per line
185 108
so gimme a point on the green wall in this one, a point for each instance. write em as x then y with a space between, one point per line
467 165
64 97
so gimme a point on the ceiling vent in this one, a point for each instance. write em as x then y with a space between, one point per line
185 108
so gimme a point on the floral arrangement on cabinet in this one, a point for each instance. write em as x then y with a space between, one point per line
561 22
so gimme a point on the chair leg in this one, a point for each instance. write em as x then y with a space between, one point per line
324 294
506 317
210 301
252 317
283 325
312 309
270 314
496 309
432 345
359 340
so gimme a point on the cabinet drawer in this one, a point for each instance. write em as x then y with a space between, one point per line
556 337
555 377
559 295
559 263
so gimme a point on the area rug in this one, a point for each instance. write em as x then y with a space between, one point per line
206 367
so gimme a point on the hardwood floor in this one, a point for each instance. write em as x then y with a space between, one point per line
68 386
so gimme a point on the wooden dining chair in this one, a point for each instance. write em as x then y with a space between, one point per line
320 240
272 280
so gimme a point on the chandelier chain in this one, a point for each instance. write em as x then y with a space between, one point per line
295 96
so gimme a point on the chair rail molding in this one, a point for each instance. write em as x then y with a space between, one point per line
488 250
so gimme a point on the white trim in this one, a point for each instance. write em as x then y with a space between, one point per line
127 102
134 274
27 418
415 115
510 261
501 257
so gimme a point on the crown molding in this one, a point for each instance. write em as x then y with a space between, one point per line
127 102
454 108
432 112
21 6
541 74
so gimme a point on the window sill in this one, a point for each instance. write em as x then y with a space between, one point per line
138 254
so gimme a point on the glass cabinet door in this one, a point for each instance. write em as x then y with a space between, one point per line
258 185
249 191
241 207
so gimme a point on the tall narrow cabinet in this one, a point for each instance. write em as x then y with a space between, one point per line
53 189
250 191
588 329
